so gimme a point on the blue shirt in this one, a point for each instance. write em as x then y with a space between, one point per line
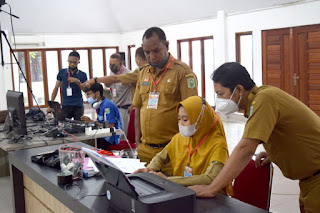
110 112
76 98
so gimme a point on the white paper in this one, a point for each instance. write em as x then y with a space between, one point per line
92 165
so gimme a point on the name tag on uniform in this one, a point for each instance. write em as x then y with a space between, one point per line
145 83
114 93
153 100
187 171
69 91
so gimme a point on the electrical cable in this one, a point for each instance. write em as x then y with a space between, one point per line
125 137
68 133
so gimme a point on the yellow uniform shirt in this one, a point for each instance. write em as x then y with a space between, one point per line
289 130
131 78
159 125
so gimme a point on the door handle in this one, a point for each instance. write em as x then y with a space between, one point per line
295 77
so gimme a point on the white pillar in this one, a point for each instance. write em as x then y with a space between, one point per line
220 39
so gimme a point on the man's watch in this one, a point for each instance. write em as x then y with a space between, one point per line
95 80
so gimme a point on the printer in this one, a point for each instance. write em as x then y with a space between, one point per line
142 192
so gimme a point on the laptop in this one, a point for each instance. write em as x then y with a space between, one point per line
57 109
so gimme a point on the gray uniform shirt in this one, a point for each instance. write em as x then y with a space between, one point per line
123 95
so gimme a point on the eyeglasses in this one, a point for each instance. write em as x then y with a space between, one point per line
73 62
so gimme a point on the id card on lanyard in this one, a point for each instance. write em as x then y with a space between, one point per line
154 96
114 91
69 89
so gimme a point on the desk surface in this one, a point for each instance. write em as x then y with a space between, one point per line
39 141
46 178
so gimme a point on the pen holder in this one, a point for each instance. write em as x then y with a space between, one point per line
71 160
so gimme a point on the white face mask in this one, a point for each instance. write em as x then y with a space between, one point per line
188 131
227 106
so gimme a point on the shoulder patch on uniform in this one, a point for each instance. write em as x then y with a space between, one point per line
188 75
191 83
107 110
250 113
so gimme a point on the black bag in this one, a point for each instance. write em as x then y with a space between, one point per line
36 114
50 159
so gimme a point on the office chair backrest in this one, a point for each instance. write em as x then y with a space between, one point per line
253 185
131 133
130 136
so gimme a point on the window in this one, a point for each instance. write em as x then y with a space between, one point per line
244 50
41 67
198 54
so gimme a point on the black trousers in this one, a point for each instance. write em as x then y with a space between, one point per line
74 112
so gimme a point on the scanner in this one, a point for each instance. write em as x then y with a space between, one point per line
142 192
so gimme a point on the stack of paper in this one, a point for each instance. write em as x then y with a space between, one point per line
127 165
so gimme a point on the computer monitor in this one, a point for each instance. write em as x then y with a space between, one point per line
16 119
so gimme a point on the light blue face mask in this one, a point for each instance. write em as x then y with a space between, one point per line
91 100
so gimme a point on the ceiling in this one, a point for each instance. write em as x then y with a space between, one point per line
105 16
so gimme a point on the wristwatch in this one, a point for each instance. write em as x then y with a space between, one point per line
95 80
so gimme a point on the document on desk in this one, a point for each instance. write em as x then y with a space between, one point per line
127 165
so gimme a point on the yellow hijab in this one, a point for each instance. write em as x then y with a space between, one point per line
214 147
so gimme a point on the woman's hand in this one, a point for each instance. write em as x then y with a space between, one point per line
160 174
142 170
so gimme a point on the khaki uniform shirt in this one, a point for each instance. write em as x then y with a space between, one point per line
159 125
289 130
123 95
131 78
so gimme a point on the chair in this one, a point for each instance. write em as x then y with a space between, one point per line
253 185
130 136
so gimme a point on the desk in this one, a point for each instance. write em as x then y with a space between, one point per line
39 141
35 189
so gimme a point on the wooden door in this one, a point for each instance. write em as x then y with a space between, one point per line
291 61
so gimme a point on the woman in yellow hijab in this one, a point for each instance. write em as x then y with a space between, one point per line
198 152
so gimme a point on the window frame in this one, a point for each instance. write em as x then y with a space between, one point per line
190 40
59 60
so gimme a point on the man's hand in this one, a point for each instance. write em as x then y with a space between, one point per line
89 83
49 110
74 80
262 162
86 119
203 190
160 174
131 107
142 170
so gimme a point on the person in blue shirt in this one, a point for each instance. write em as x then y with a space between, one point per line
71 80
106 111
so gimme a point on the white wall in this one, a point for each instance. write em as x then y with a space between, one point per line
5 75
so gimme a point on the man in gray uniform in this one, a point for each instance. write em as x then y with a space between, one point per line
120 94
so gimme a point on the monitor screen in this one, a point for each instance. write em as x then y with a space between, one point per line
16 112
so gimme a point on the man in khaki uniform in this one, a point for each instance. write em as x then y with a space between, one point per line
161 86
288 129
126 78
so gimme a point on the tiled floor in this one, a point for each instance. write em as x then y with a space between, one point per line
285 192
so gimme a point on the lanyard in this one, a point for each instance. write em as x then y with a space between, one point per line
121 70
203 139
119 74
69 76
155 87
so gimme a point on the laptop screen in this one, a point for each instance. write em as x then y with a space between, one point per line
111 173
56 107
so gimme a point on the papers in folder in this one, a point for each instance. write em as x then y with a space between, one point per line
126 165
